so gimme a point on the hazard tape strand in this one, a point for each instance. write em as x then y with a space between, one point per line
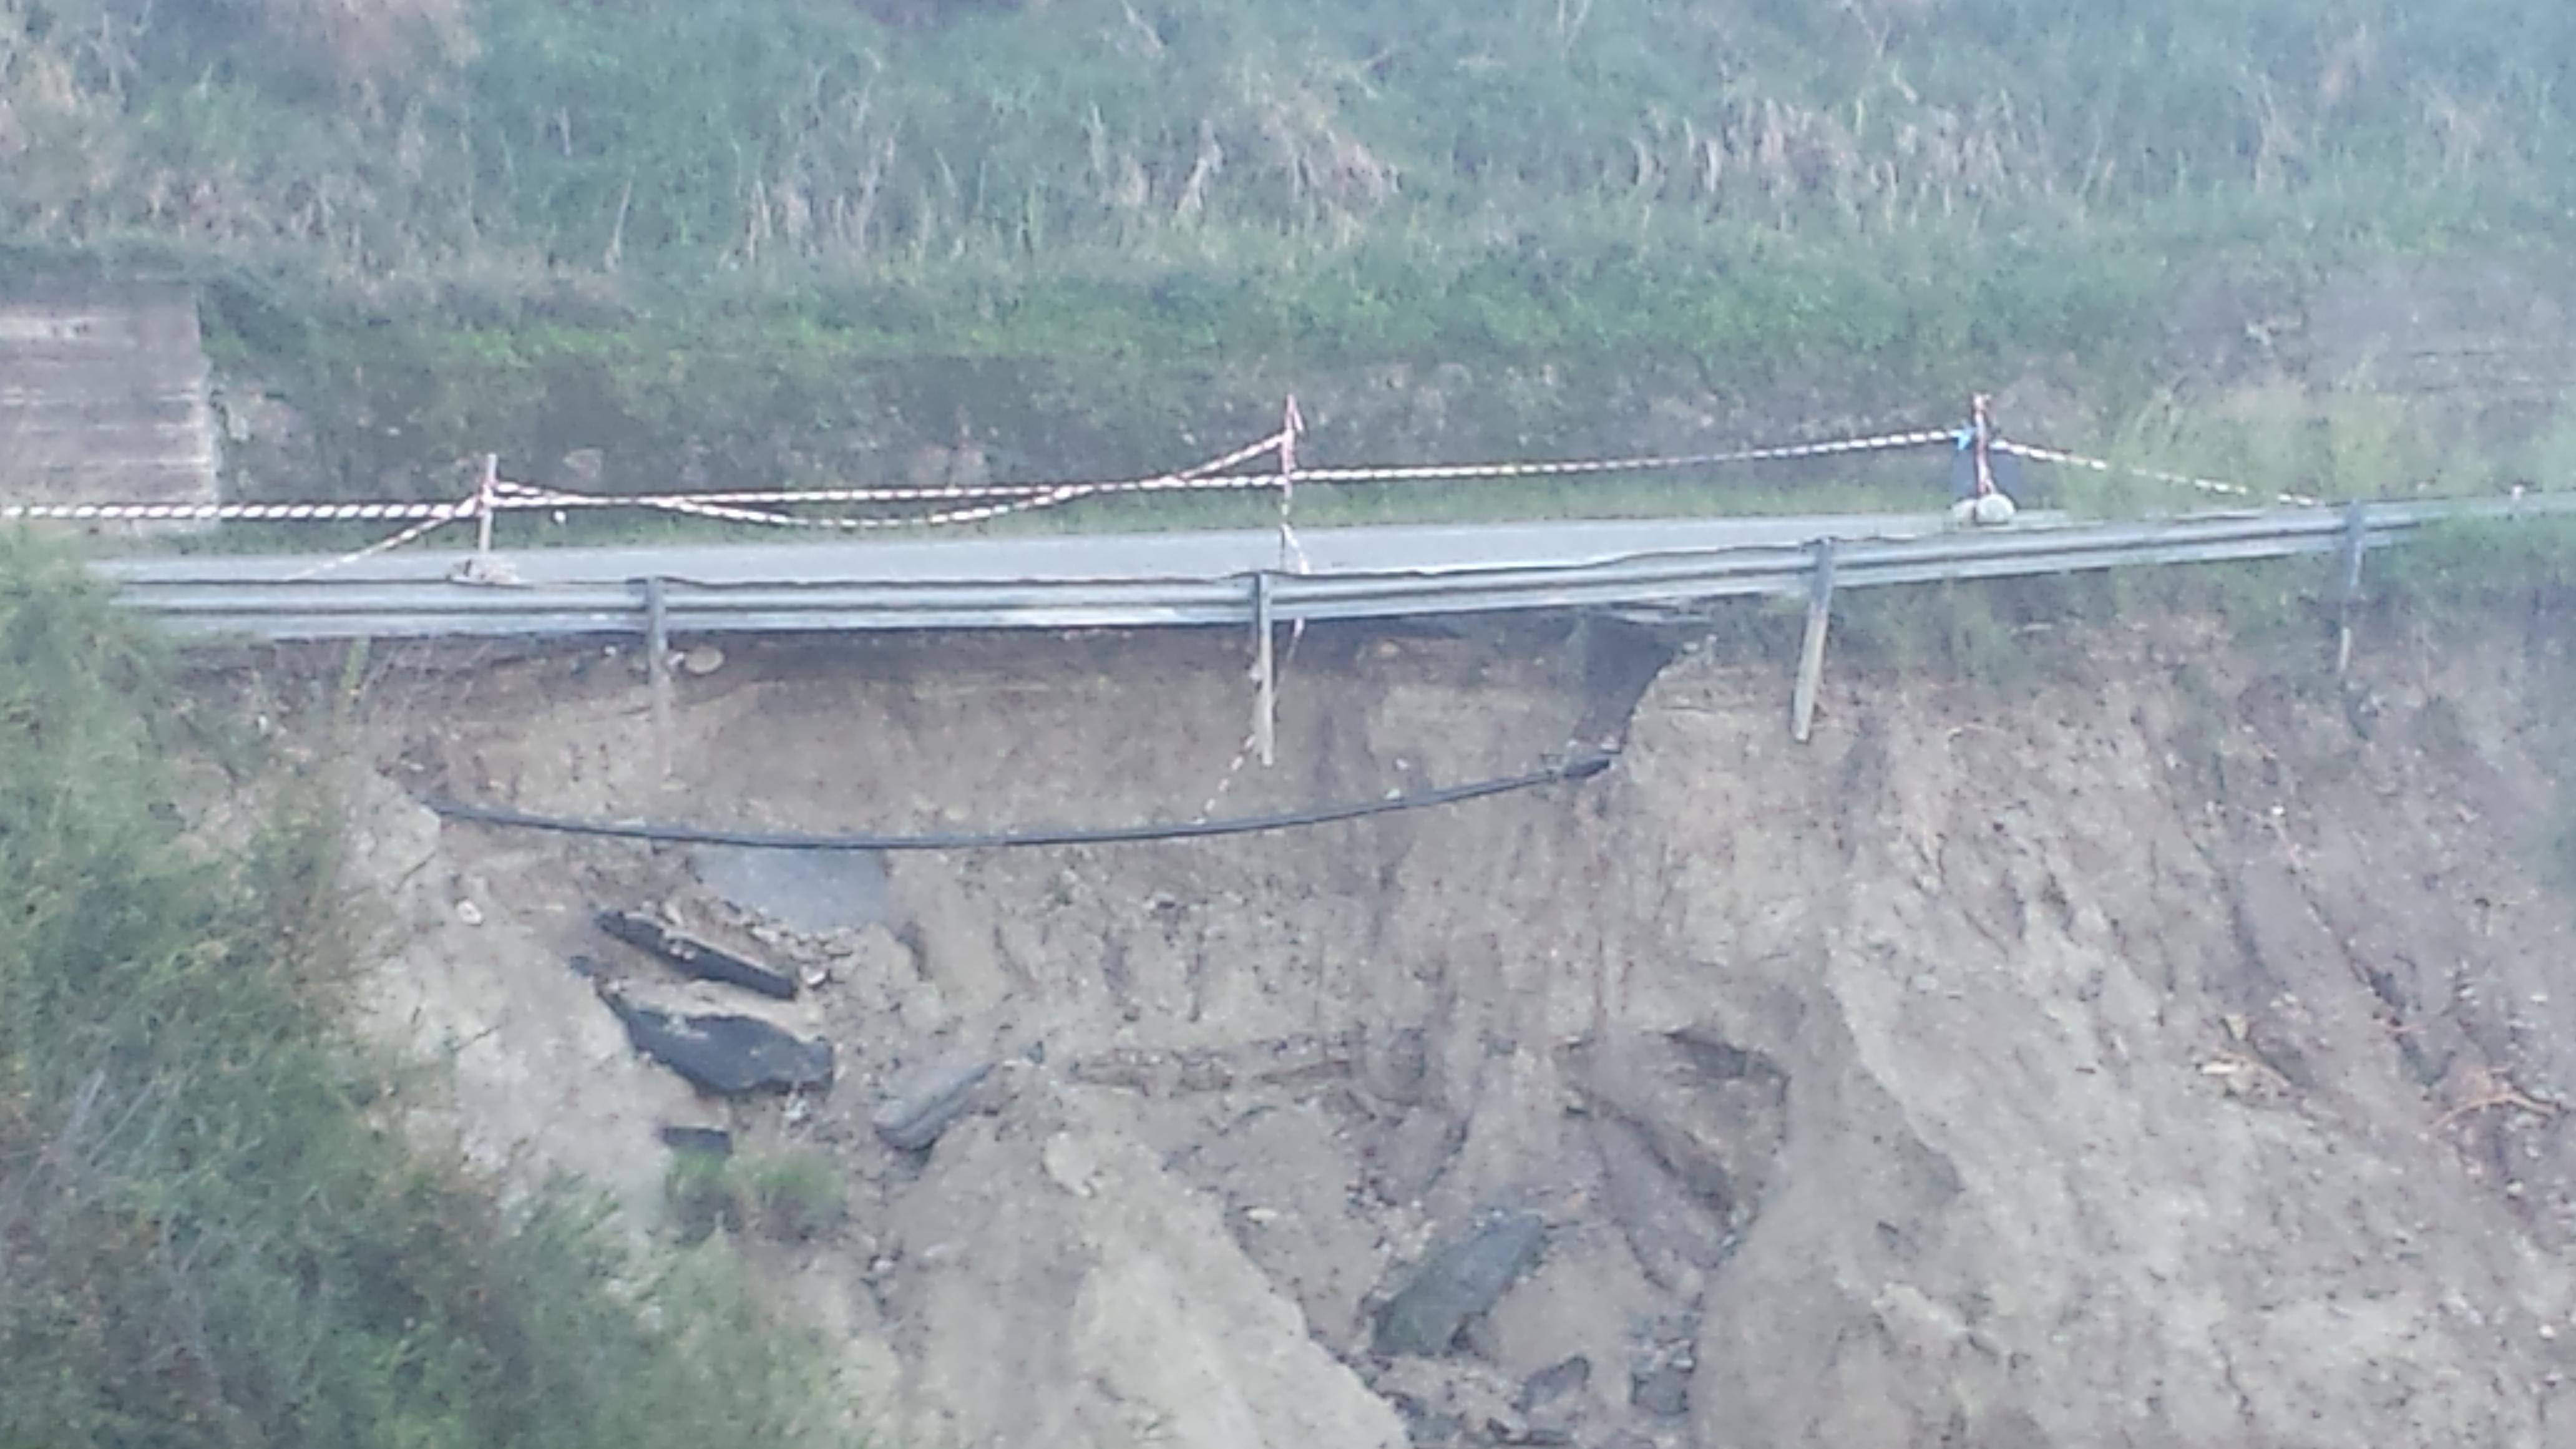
1001 500
454 513
1208 476
2218 486
222 512
1647 463
1203 475
520 497
725 507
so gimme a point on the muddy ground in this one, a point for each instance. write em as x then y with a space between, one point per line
2164 1052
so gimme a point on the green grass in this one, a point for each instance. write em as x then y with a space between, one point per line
790 1196
205 1237
780 239
2463 574
2477 558
2009 637
778 138
798 1196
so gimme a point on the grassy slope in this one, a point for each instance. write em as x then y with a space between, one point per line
696 227
203 1240
1033 150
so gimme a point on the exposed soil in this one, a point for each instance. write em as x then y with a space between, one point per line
2167 1055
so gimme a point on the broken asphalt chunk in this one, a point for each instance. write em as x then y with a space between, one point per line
730 1056
698 1141
695 957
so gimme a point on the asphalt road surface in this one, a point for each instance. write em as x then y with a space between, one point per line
1406 548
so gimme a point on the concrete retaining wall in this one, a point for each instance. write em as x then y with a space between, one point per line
103 397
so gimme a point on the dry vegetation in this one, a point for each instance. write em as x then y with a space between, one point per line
381 138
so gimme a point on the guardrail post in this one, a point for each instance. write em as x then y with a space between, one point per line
1265 674
1811 659
2356 541
657 669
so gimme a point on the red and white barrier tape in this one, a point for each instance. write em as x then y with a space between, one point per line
1203 475
520 496
1208 476
725 506
1648 463
1292 559
1292 554
760 507
452 513
222 512
2218 486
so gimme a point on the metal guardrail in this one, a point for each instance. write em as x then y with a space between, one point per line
230 605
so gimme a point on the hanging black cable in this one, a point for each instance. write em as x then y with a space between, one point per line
1582 768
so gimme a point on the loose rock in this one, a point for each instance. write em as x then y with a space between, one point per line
921 1103
1457 1283
1555 1382
1665 1392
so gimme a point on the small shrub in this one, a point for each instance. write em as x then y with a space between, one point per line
1987 633
797 1196
702 1195
792 1197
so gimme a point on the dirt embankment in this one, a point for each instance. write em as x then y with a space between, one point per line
2167 1055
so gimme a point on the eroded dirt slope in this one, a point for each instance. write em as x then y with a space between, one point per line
2163 1056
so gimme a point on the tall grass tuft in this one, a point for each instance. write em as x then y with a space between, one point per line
204 1238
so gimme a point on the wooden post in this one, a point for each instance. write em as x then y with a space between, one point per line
483 505
1811 660
1291 424
1978 436
2356 541
1265 673
657 657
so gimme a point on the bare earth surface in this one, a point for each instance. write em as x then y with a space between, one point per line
2162 1056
